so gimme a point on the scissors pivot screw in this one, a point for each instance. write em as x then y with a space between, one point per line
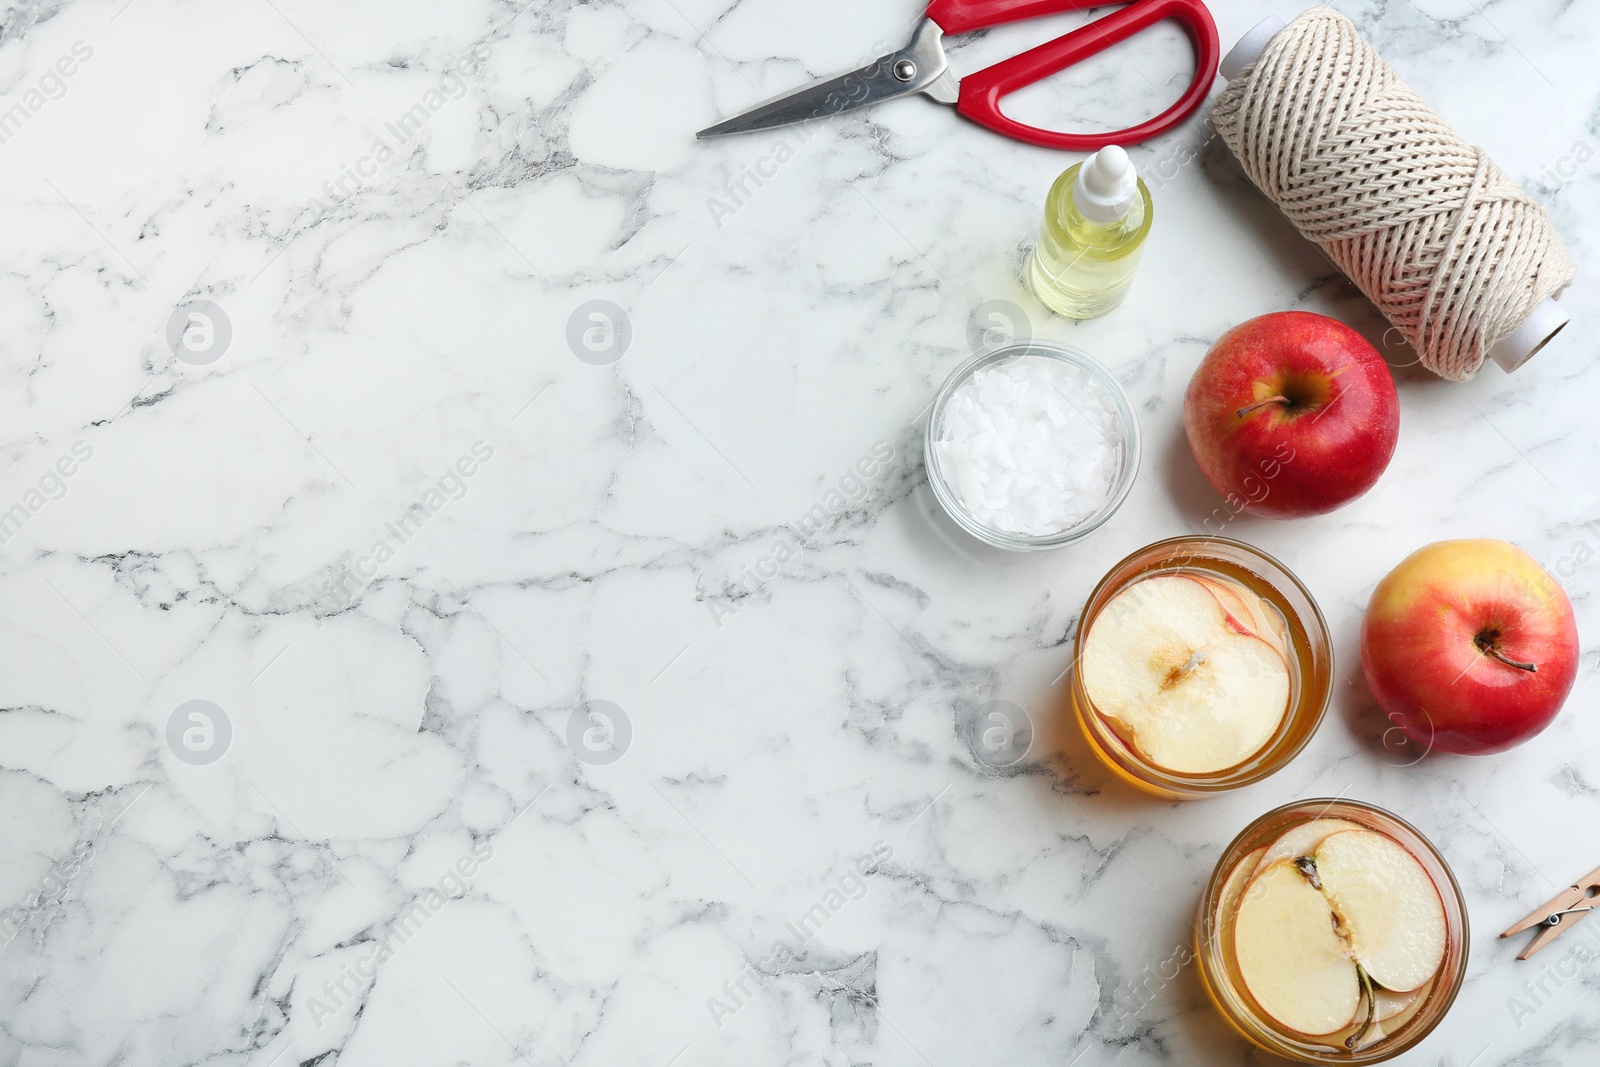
905 70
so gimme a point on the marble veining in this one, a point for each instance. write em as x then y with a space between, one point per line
469 593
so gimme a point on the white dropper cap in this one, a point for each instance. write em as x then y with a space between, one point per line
1511 351
1106 185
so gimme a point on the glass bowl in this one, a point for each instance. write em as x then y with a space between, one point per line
1219 972
1122 483
1310 662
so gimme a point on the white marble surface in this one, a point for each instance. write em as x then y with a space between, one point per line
784 736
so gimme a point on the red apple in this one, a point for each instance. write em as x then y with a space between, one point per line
1469 646
1291 414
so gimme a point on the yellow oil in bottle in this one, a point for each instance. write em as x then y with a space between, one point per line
1093 231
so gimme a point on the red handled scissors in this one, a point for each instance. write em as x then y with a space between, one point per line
921 67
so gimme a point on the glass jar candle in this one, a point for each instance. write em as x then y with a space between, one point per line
1301 633
1411 1019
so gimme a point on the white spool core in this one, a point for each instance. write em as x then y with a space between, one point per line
1251 45
1511 351
1519 346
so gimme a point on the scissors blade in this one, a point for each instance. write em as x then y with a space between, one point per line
916 68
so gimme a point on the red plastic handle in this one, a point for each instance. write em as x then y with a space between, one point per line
981 92
964 16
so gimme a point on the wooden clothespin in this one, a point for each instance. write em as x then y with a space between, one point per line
1564 909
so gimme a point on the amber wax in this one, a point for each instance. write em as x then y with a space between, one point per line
1201 664
1332 932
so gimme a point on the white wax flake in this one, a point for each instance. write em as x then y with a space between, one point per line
1030 446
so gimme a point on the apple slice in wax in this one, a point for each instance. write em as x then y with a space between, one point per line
1303 839
1397 1017
1393 1011
1291 957
1247 612
1240 614
1233 885
1192 694
1271 627
1388 907
1392 1005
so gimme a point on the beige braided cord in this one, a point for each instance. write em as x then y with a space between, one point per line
1452 251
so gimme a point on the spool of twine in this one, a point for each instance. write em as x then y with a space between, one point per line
1453 252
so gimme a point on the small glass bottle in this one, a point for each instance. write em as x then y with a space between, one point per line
1096 218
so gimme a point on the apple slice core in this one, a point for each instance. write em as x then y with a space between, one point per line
1291 959
1387 904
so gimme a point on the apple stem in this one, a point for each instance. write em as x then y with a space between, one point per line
1372 1009
1248 408
1494 653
